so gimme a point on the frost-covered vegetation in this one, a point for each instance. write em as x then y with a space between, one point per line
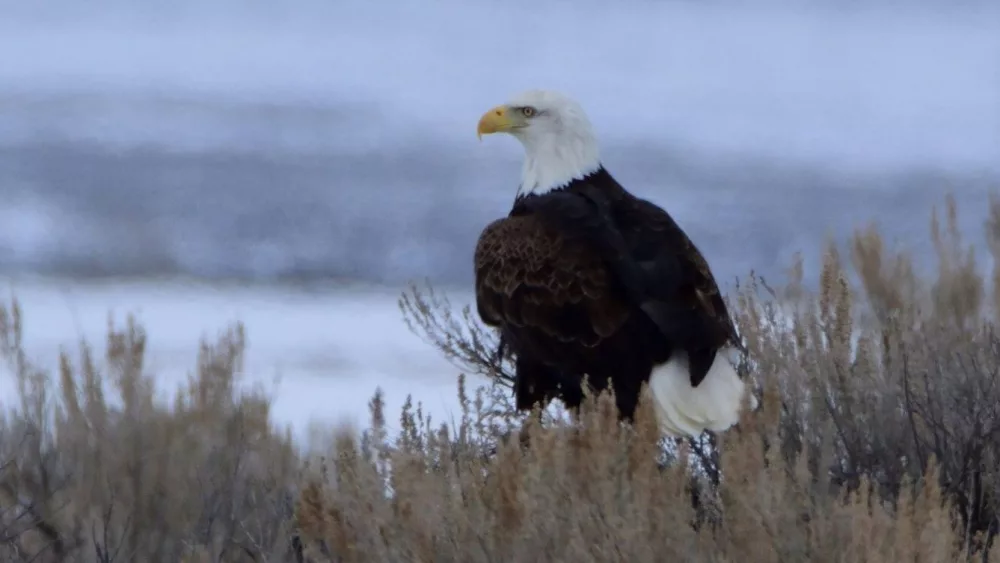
877 439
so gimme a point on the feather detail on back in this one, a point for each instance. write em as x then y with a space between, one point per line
529 275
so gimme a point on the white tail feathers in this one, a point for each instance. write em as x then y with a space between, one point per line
683 410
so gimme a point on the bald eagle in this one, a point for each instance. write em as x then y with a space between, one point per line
584 279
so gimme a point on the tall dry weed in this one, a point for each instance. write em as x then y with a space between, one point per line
110 473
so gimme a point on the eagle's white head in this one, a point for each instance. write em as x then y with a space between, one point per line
558 139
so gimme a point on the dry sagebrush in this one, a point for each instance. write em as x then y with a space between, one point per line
877 439
93 477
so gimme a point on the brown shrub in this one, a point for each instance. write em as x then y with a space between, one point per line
93 477
877 438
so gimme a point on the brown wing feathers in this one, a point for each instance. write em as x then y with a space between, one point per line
529 275
558 271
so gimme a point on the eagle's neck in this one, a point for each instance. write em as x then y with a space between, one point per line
550 165
600 180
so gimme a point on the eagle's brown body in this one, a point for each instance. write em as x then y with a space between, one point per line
588 279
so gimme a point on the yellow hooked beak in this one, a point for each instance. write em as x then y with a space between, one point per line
496 120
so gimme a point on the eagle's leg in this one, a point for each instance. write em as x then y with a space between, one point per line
569 389
533 383
536 384
500 352
524 437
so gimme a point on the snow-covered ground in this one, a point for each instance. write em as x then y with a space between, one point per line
323 353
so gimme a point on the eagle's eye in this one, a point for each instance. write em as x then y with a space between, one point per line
528 111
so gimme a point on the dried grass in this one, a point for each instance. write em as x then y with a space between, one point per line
877 439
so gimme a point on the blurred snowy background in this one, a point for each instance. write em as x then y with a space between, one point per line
292 164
